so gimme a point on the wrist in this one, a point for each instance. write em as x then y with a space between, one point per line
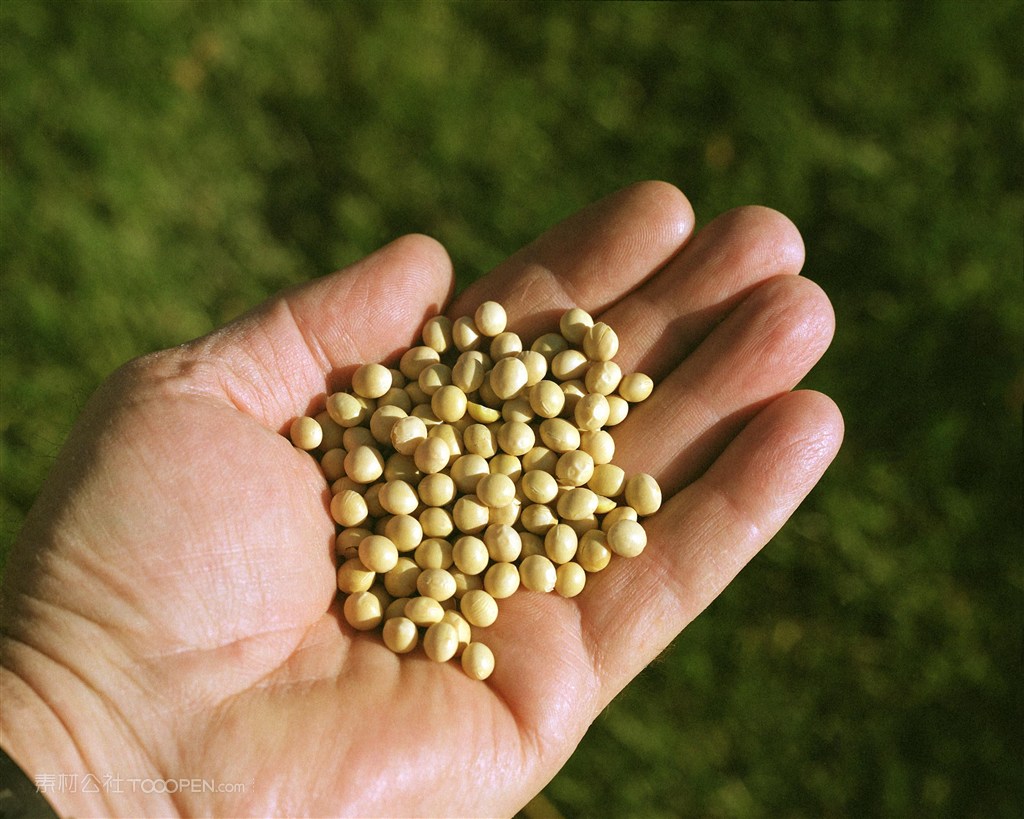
35 738
67 740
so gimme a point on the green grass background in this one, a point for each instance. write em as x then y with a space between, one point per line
166 165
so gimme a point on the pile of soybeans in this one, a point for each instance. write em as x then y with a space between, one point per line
474 468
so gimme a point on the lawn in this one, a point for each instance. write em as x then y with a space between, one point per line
166 165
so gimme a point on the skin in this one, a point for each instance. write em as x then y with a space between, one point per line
169 609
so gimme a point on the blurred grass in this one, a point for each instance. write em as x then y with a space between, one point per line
163 166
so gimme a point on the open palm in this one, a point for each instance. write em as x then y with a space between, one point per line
170 609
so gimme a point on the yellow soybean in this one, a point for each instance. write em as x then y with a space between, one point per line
449 403
501 580
436 489
559 435
507 515
518 409
575 468
462 628
371 380
306 433
400 581
539 486
547 399
333 463
636 387
332 432
503 543
436 583
600 342
574 324
593 554
480 440
617 514
465 334
549 345
424 611
348 539
490 318
508 377
479 608
469 371
496 490
346 410
434 553
400 634
378 553
416 359
540 458
433 378
570 578
348 508
470 555
627 538
577 504
478 661
537 573
603 377
436 522
407 434
608 480
363 610
470 515
467 472
516 437
506 464
591 412
505 344
599 445
536 366
398 498
643 494
353 576
618 409
482 413
537 518
569 365
364 464
437 333
432 455
405 531
560 543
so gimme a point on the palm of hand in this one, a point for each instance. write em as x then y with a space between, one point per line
203 543
242 643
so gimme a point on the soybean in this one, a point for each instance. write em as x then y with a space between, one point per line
479 608
537 573
306 433
476 466
501 580
363 610
636 387
490 318
441 641
643 494
478 661
371 380
400 635
570 578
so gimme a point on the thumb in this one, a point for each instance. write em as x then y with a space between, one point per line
308 339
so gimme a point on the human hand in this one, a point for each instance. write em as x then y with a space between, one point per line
170 611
